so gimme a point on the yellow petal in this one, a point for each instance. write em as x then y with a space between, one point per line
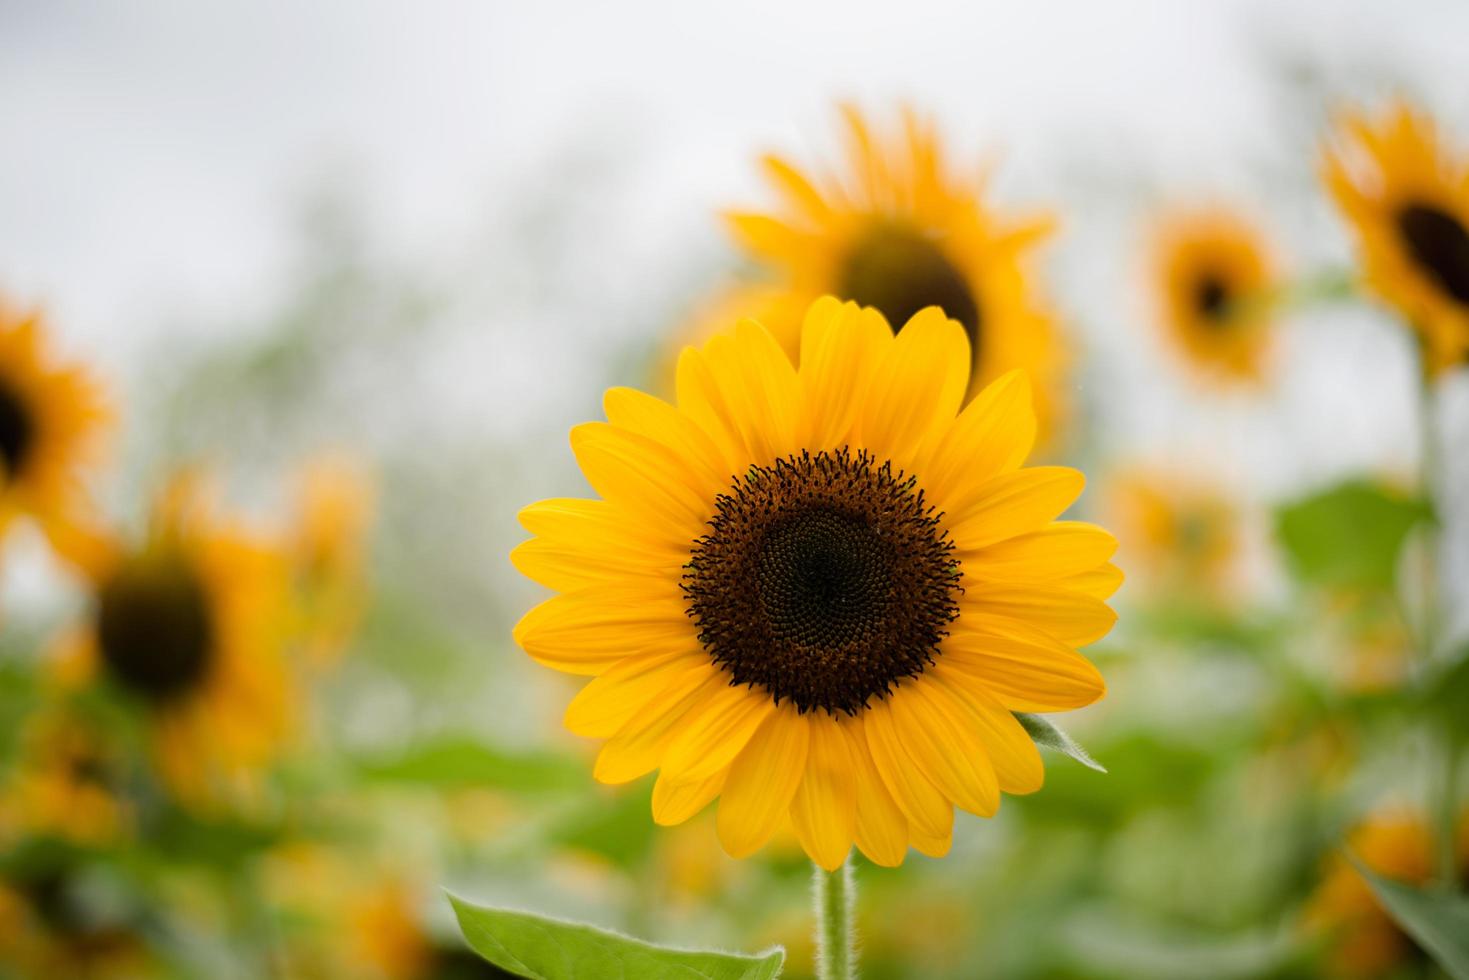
929 845
925 807
566 568
881 830
945 747
1061 550
710 737
675 801
993 435
1074 618
1013 504
587 631
641 476
612 699
759 386
639 745
1100 583
1025 670
919 384
604 527
796 188
841 347
758 790
655 419
1017 761
823 811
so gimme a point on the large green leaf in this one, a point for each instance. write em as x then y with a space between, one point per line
542 948
1046 733
1438 920
1349 535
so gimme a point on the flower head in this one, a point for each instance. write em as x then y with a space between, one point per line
819 593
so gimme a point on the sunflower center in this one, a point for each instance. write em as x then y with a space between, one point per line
1439 243
824 580
1211 298
17 430
154 628
899 270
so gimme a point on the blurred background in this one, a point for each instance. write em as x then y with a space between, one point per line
363 264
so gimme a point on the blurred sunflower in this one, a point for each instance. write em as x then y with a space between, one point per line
1175 532
52 418
1213 274
47 929
188 625
1407 198
1364 940
327 549
66 781
899 231
820 593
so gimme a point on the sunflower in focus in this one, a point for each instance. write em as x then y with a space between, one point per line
818 593
187 624
1407 198
1213 274
898 230
1365 941
1175 531
52 418
327 549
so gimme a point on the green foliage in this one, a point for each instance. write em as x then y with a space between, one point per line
1445 694
1349 535
457 761
1439 921
542 948
1045 732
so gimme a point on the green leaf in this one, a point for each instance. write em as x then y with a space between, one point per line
542 948
1439 921
1445 693
1349 535
463 761
1044 732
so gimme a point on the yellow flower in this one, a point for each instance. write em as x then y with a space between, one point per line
328 552
1366 942
66 781
1178 532
188 625
899 231
46 930
1213 275
819 593
1407 199
52 418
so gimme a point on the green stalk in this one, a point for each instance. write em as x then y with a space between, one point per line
835 896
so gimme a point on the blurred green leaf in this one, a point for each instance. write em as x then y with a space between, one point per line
542 948
1044 732
1445 693
616 824
465 761
1348 535
1439 921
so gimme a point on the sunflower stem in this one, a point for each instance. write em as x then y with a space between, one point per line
834 894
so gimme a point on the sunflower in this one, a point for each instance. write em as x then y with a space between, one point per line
187 625
1178 532
48 928
1365 941
327 549
1407 199
52 418
66 781
899 231
819 593
1213 275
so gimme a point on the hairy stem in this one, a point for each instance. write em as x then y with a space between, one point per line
835 896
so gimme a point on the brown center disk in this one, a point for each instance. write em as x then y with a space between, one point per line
824 579
900 271
154 627
1439 243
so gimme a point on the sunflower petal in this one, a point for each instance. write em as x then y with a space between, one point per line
823 811
1013 504
590 630
1061 550
612 699
639 745
710 737
762 781
881 830
675 801
925 807
949 751
1025 670
919 383
1074 618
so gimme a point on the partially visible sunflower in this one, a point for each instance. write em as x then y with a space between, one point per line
187 624
1407 198
899 230
327 548
48 930
1175 532
819 593
1364 940
52 420
66 782
1213 271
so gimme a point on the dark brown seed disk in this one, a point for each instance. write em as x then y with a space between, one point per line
17 431
824 580
899 271
154 627
1439 244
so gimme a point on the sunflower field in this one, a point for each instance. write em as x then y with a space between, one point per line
575 493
